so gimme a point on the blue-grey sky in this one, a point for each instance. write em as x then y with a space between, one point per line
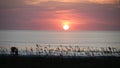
52 14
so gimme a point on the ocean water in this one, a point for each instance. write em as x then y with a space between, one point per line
56 38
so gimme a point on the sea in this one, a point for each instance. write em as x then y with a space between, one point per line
27 38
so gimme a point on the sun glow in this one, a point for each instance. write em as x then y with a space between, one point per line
66 27
66 24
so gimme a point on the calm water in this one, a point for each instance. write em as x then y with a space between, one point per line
82 38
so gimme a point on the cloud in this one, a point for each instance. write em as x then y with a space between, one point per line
48 14
11 3
92 1
105 1
70 0
18 3
36 2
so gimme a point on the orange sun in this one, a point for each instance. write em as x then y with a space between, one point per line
66 27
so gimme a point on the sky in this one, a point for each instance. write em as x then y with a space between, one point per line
52 14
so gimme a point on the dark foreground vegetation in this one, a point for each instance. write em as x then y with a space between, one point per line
60 57
10 61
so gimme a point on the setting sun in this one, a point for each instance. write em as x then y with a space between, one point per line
66 27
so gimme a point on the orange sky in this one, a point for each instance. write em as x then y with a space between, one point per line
52 14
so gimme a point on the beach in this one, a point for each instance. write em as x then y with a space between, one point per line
59 33
60 57
59 49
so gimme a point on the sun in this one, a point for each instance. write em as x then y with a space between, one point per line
66 27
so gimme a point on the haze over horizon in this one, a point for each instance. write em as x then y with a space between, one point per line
52 14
